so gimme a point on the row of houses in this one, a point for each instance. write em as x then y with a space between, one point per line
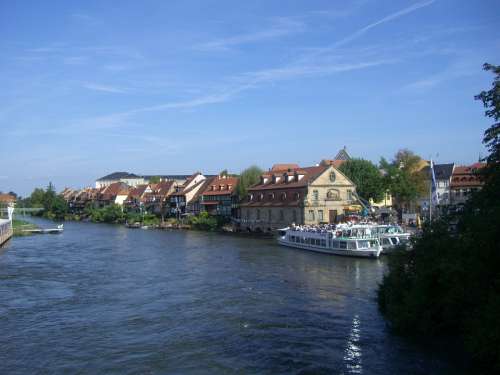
285 194
454 183
169 196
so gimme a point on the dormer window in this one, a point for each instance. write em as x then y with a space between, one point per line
213 187
265 180
221 187
276 179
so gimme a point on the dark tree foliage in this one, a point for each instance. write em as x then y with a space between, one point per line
367 178
54 206
449 284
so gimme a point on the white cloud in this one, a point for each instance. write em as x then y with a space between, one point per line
104 88
281 27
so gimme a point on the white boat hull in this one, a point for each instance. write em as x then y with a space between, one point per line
375 253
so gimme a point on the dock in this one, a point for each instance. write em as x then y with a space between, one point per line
59 229
6 231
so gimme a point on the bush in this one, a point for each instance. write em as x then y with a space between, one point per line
204 221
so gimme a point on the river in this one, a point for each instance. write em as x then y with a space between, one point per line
106 299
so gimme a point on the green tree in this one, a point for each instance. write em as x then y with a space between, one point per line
154 180
248 177
404 177
449 284
367 178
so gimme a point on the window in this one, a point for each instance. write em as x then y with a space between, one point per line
271 196
261 196
315 195
297 196
283 196
258 214
282 215
248 214
332 176
349 195
269 216
311 215
251 197
343 245
320 215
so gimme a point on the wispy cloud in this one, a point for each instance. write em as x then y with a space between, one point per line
386 19
104 88
280 27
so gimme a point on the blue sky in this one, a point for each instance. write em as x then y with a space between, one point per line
166 87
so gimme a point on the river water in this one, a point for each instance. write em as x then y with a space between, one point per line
106 299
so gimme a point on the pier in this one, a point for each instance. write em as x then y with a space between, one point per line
5 230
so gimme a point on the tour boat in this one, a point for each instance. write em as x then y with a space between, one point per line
390 236
358 242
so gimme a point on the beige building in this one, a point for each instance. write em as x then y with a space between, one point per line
311 195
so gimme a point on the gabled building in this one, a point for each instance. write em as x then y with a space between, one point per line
184 194
156 201
310 195
219 197
341 157
137 197
464 181
115 193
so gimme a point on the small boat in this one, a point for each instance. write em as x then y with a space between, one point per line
133 225
355 242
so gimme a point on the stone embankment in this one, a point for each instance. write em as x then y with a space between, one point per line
5 231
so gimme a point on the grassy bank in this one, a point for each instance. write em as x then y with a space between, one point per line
19 225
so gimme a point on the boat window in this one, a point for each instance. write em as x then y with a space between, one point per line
335 244
302 240
323 243
362 244
351 245
343 245
394 240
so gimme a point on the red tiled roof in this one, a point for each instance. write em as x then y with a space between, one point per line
310 173
284 167
228 184
7 198
466 176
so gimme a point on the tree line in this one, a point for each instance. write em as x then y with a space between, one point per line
448 286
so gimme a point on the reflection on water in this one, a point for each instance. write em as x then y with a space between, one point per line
106 299
352 357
